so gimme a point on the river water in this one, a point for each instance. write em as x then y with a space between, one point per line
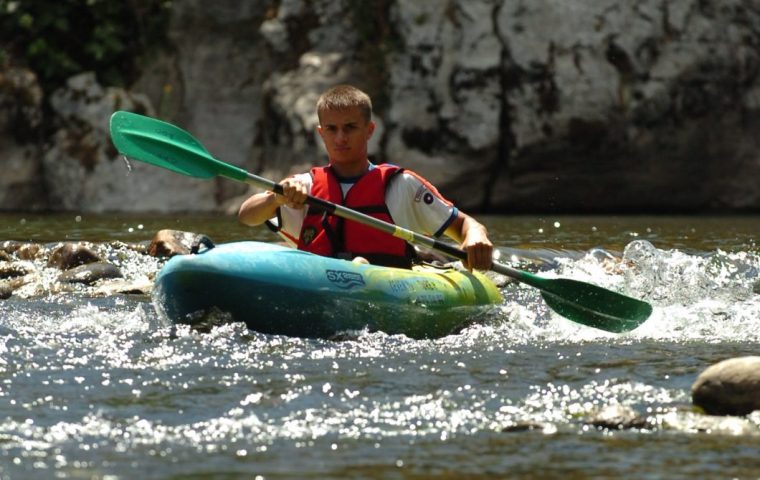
102 387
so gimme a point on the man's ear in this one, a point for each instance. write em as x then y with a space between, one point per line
370 129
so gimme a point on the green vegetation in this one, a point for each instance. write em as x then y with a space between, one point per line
60 38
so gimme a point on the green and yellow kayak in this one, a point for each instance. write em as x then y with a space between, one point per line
279 290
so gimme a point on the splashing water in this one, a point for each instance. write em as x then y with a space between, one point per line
127 163
103 386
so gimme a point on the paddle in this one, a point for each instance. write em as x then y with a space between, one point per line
167 146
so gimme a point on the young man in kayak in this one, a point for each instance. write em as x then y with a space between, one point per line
385 191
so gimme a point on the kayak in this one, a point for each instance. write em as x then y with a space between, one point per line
279 290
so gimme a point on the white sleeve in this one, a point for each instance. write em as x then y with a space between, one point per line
417 206
290 220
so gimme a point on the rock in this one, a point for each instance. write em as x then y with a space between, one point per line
22 251
505 106
446 96
71 255
204 321
84 172
4 257
293 98
731 387
12 270
616 417
20 185
28 251
10 285
20 157
90 273
21 101
114 287
167 243
231 118
140 247
523 426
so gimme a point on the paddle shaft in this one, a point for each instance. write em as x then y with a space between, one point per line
581 302
389 228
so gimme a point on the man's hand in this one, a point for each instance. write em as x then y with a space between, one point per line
479 249
473 238
294 193
260 207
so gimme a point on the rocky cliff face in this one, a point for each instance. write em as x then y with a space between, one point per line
511 105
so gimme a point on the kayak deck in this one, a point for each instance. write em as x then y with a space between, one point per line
279 290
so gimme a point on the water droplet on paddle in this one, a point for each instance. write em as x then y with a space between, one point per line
129 165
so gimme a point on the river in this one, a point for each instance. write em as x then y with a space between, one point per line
102 387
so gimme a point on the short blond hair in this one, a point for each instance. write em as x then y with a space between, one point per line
341 97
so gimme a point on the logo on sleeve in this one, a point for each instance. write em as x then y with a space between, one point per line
423 194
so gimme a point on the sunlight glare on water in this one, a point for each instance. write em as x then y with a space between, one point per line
97 385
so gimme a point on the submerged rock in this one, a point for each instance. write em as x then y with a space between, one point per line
617 417
731 387
90 273
8 286
126 287
15 269
524 426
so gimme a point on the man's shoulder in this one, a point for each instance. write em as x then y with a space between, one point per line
416 187
410 180
405 181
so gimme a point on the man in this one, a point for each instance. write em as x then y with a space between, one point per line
383 191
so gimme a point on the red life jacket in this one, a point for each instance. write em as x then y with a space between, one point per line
332 236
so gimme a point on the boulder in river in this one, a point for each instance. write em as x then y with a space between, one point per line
168 243
70 255
90 273
731 387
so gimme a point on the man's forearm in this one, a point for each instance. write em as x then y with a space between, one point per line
258 208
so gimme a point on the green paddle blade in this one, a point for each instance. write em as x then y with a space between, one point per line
164 145
584 303
594 306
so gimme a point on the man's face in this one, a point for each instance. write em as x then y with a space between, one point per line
345 134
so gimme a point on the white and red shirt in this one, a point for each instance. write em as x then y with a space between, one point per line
412 202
